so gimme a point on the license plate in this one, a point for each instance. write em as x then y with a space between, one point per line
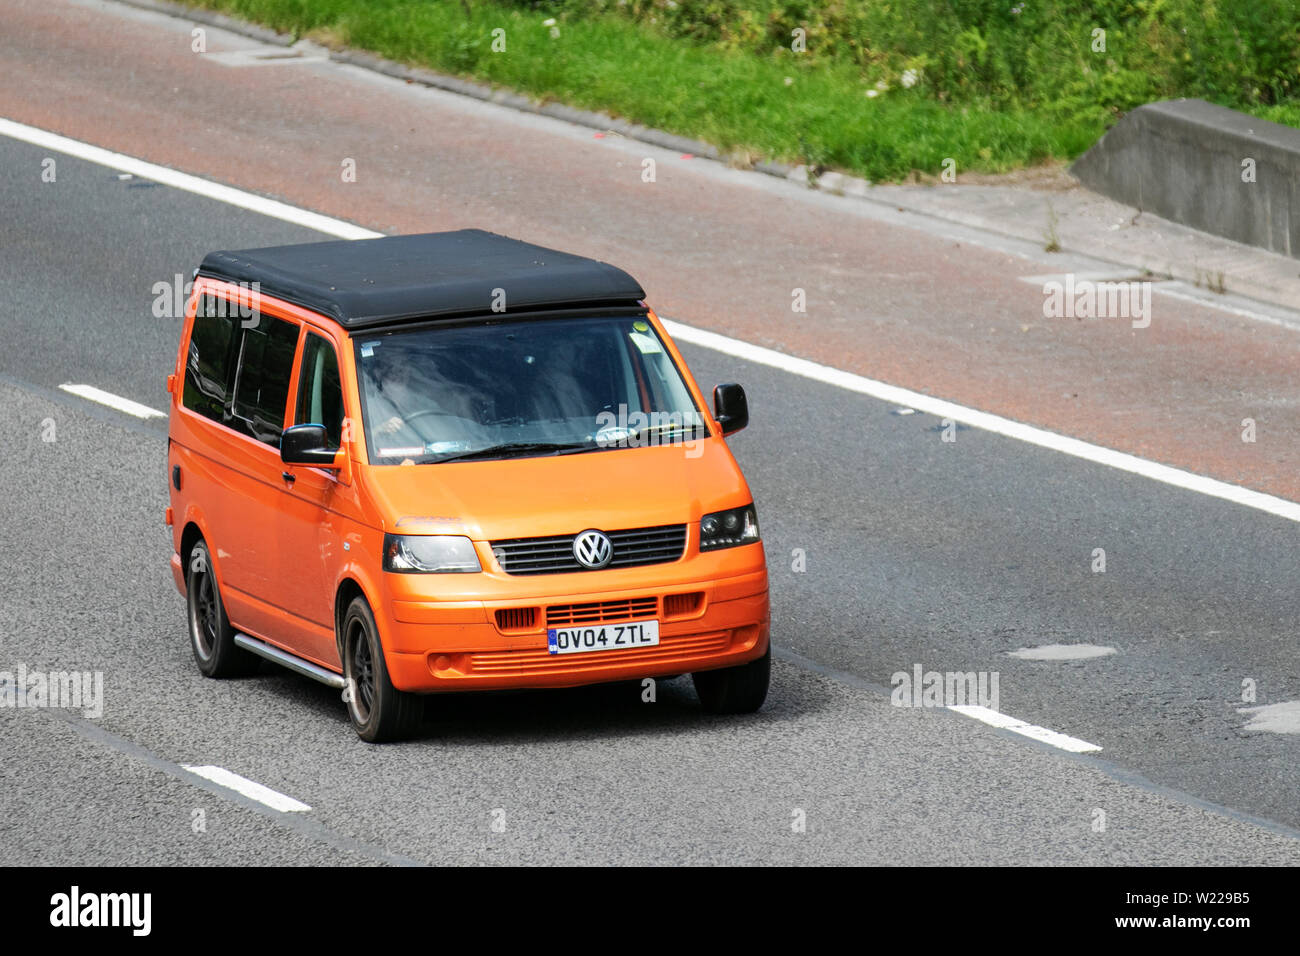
602 637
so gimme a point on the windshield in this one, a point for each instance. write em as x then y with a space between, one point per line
518 388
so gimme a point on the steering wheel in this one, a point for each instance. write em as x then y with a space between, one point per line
454 426
424 412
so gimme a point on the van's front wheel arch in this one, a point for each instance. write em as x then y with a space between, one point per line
379 711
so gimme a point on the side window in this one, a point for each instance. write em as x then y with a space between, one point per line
320 395
262 379
211 358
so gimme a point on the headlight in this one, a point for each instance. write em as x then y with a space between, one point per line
726 529
426 553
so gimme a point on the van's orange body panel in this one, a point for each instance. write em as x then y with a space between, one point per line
282 550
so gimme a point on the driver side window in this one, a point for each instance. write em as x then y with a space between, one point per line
320 394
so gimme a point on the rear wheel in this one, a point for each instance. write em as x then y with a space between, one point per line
379 711
735 690
212 639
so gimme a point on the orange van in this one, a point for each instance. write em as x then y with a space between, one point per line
455 461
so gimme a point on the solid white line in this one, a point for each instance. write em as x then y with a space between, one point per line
1118 460
191 184
249 788
1007 722
1121 461
113 401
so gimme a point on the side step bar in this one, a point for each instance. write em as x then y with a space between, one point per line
291 661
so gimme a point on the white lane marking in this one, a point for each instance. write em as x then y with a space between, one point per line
710 340
1113 275
112 401
1062 652
277 56
1282 718
249 788
1118 460
190 184
1007 722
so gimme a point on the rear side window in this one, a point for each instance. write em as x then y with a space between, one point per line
210 364
262 379
320 394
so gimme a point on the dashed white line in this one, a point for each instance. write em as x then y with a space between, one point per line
249 788
112 401
1007 722
985 421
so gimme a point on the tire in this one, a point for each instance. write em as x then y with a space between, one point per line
380 712
735 690
212 639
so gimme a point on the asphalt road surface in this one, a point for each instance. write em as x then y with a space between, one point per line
888 548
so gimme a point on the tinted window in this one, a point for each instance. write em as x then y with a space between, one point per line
320 395
262 380
211 357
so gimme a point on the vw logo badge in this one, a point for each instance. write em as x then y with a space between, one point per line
593 549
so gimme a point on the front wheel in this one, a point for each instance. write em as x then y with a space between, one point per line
735 690
212 639
379 711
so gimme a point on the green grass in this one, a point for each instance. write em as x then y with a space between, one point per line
999 85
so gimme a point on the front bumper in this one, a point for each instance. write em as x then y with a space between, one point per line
435 646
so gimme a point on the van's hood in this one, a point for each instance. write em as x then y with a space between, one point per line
562 494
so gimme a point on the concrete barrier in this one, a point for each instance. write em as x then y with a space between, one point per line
1207 167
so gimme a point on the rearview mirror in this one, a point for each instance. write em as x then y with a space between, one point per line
307 445
730 407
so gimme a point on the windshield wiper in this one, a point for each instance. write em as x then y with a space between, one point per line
670 430
509 450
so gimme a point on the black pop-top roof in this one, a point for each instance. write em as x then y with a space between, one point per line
362 283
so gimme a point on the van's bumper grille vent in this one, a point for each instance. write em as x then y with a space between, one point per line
554 555
599 612
682 604
516 618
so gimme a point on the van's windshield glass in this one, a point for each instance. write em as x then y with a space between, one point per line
505 389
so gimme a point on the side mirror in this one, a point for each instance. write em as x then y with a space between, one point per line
306 445
730 407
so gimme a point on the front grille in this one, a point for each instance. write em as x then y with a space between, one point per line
554 555
596 612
